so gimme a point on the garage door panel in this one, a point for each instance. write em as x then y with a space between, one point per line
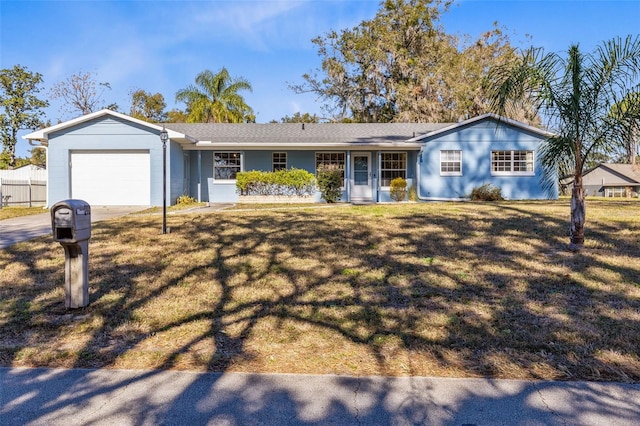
111 177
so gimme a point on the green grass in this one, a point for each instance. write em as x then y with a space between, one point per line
437 289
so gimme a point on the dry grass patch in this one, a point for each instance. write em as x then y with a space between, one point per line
11 212
445 289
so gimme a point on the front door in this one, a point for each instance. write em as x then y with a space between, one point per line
361 177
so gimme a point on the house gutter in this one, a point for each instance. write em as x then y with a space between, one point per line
307 146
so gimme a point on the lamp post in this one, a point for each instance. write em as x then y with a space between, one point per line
164 137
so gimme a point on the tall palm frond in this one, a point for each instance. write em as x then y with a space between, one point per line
215 99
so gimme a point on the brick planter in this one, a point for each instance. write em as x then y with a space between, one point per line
275 199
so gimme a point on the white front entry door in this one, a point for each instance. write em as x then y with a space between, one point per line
361 176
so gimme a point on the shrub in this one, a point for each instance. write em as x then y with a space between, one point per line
329 182
185 199
291 182
296 181
398 189
413 193
487 192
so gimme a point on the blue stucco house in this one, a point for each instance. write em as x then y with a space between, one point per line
108 158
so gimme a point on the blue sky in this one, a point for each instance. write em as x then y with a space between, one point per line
160 46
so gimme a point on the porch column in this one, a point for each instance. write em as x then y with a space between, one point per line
347 176
377 179
199 176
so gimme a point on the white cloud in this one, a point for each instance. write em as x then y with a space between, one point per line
256 23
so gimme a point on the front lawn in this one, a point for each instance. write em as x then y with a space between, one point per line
11 212
438 289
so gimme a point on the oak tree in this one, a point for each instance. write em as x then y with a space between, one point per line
22 109
146 106
81 93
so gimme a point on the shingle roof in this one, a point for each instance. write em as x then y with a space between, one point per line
283 133
488 116
629 171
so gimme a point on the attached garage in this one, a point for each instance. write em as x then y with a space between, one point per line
104 178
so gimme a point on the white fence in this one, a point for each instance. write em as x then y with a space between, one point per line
22 192
25 173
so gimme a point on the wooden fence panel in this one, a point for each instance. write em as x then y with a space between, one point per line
22 192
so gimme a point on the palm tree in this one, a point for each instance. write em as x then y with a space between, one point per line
215 99
575 96
629 140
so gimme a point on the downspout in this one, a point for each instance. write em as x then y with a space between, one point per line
419 176
46 165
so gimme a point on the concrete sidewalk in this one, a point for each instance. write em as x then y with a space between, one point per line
124 397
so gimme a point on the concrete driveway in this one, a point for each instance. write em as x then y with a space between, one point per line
27 227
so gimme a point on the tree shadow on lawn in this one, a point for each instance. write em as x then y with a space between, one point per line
572 312
418 294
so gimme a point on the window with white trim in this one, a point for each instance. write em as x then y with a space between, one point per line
617 191
512 163
330 159
279 161
226 165
392 165
450 162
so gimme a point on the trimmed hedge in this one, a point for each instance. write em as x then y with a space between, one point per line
290 182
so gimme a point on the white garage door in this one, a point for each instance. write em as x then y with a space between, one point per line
111 178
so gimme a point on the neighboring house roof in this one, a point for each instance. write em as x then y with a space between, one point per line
484 117
616 175
624 173
629 171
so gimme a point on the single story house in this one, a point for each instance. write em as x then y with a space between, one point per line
609 180
108 158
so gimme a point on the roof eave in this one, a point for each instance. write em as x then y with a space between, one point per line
482 117
308 145
43 134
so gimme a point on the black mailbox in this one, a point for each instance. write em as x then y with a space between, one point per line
71 221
